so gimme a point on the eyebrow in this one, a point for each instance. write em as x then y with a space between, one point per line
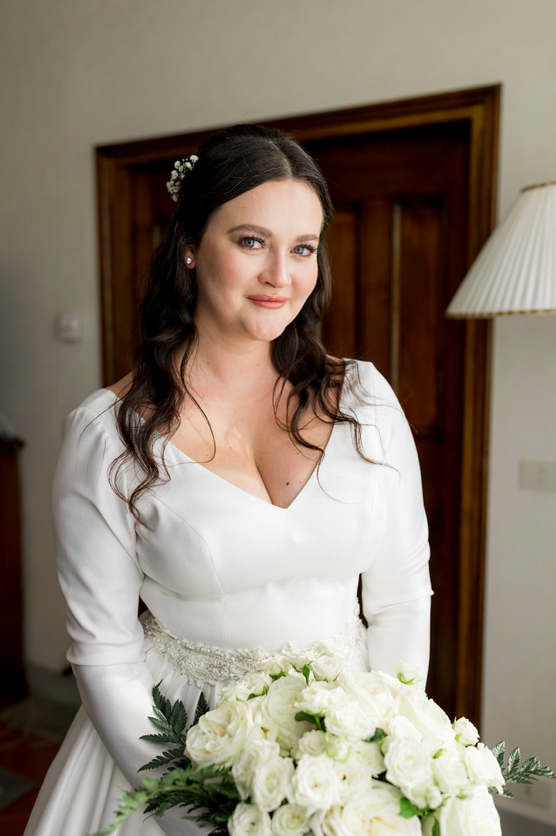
266 233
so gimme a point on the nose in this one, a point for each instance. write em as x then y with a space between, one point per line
276 272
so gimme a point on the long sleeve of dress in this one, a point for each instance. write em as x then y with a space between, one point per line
101 580
396 588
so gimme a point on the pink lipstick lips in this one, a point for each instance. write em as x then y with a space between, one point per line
266 301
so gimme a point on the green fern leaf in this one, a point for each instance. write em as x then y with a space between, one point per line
202 708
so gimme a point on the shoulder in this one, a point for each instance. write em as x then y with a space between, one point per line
367 386
94 418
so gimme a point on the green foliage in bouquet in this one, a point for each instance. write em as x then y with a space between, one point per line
515 772
208 791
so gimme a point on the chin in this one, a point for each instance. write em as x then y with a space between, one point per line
268 331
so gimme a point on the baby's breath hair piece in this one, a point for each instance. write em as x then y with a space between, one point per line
181 167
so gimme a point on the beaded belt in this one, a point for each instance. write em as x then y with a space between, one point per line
201 663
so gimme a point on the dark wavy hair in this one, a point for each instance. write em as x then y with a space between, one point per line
230 162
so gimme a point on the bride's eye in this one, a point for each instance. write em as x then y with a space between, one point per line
250 242
304 249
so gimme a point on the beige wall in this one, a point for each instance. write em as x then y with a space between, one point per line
76 73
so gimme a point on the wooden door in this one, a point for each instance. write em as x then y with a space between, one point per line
398 250
413 183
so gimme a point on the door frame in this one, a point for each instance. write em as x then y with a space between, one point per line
480 107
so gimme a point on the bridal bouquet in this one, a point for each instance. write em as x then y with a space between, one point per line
308 744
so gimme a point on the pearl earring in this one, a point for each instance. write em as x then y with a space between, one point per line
189 261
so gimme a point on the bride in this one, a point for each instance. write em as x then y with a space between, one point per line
239 481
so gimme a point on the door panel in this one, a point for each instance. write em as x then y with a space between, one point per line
402 205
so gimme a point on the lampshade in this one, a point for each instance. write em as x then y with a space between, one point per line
515 272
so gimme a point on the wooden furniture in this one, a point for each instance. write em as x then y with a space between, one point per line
12 676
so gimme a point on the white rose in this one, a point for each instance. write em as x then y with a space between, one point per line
368 755
433 723
466 732
291 820
315 783
349 720
275 665
248 820
328 823
278 710
237 692
371 692
482 767
450 772
327 668
401 727
312 743
408 674
316 697
272 783
392 683
408 766
354 779
475 815
377 813
258 682
337 748
220 735
299 658
333 647
255 754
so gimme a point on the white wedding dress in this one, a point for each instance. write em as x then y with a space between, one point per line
219 566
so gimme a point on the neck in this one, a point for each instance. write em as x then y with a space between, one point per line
237 365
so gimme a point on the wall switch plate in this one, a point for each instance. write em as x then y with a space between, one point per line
537 475
70 327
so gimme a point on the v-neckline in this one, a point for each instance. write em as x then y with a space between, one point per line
312 475
189 460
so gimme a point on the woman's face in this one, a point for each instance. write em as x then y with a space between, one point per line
257 262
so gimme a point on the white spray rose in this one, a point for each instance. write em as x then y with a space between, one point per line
300 658
482 767
333 647
475 815
315 783
368 755
327 668
248 820
465 732
291 820
254 755
337 748
408 674
271 783
316 697
450 772
254 684
237 692
349 720
275 665
220 735
278 711
312 743
408 766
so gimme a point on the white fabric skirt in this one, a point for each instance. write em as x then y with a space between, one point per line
83 787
